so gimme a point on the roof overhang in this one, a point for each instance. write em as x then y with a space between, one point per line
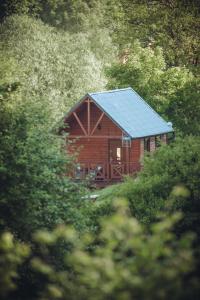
93 100
77 105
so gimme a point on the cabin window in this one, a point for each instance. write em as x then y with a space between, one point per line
118 153
147 144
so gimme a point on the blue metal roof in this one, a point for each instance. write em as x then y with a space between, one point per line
131 113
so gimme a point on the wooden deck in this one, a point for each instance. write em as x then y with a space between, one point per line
103 174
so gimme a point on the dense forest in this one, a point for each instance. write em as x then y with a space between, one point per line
140 239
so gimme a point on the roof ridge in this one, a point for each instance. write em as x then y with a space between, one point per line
110 91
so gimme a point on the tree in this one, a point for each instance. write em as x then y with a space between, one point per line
184 108
34 192
173 168
146 72
9 7
12 255
172 25
53 65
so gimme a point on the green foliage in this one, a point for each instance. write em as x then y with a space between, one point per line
87 22
70 15
57 66
9 7
176 165
130 263
12 255
172 25
44 69
50 71
125 260
184 108
33 191
145 70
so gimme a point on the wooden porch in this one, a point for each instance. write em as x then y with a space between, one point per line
104 173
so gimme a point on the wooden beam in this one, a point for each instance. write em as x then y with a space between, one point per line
97 123
127 159
95 136
79 122
88 116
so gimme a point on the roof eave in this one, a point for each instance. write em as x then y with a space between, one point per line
155 134
88 95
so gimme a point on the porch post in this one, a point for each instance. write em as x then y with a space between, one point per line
141 149
164 139
88 113
152 144
127 160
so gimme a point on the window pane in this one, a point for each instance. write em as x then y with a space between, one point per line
118 153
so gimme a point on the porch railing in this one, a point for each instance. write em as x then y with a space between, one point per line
105 171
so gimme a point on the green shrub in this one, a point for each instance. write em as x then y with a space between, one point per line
124 260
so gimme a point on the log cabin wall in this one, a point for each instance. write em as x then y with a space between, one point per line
105 128
91 148
135 151
95 149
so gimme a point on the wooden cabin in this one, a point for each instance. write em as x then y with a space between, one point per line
111 130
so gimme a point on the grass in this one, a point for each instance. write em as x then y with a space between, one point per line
106 192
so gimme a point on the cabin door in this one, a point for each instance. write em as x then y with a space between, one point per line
115 151
116 166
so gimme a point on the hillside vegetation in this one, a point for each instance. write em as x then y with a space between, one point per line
139 239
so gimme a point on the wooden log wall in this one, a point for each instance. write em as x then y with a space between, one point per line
91 150
135 150
105 128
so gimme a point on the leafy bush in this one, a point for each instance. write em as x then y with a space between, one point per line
184 108
172 168
34 192
145 70
51 65
125 260
12 255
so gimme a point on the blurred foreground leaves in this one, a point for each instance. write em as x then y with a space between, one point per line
125 260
